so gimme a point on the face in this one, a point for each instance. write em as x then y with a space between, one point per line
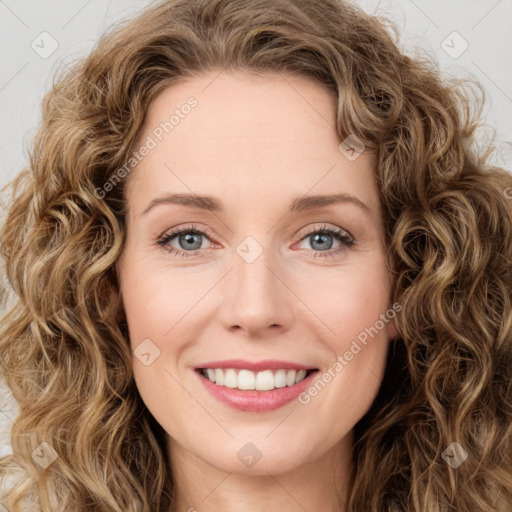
262 281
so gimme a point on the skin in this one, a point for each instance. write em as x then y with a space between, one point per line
255 143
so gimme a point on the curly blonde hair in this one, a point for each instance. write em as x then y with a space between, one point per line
448 228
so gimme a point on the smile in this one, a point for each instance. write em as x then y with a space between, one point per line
255 387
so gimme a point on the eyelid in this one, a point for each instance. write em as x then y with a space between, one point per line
324 227
186 227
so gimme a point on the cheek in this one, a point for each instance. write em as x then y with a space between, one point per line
344 302
157 300
358 311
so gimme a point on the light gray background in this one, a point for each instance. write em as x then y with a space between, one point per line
76 24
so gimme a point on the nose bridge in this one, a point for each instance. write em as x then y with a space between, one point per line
258 299
252 263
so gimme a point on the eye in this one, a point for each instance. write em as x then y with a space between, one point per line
188 239
321 239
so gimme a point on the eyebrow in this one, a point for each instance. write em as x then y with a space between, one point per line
299 204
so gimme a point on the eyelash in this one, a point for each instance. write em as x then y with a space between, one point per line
339 234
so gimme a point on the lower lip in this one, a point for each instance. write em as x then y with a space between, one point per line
253 400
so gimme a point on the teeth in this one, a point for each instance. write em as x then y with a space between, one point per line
280 379
265 380
290 377
246 380
230 379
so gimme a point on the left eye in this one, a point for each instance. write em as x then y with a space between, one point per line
318 238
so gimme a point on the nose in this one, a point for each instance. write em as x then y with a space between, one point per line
258 300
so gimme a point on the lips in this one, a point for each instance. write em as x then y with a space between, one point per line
255 386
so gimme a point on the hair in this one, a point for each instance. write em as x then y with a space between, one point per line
448 233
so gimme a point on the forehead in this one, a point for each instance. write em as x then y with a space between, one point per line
246 108
247 135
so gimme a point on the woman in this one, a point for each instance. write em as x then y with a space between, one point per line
180 339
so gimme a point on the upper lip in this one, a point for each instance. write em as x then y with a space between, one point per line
268 364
